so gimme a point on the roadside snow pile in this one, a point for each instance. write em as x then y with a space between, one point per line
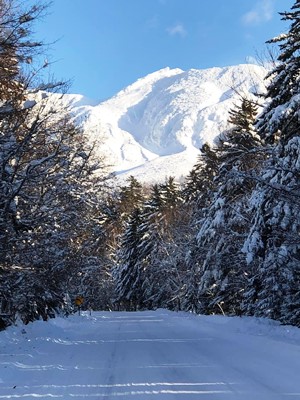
255 327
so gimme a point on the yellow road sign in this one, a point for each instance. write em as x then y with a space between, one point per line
79 301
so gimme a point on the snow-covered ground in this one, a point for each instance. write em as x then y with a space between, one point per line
143 355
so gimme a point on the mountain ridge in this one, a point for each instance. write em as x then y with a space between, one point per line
155 127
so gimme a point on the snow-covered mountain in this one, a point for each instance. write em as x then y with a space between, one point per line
155 127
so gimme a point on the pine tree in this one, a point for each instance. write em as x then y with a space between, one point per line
199 182
149 273
128 272
131 196
198 194
218 254
115 210
140 241
273 240
160 246
279 118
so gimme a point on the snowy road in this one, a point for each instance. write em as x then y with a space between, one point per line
145 355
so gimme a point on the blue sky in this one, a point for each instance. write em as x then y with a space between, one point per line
105 45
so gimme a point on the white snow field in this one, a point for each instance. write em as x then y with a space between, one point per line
155 127
150 355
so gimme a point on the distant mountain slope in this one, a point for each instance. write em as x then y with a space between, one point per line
155 127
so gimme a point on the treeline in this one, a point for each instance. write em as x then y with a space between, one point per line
226 241
229 240
50 183
181 247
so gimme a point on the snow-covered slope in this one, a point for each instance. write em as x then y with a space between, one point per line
155 127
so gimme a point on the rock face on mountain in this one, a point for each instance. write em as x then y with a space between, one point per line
155 127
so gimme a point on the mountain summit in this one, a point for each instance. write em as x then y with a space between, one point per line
155 127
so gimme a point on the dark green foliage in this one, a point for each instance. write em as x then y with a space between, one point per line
199 182
147 275
128 273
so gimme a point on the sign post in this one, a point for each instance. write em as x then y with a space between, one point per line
78 302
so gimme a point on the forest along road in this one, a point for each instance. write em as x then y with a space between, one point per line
144 355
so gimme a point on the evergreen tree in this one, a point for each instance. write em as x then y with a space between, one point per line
199 182
116 208
148 274
273 240
128 272
161 253
198 193
280 116
131 196
218 248
141 238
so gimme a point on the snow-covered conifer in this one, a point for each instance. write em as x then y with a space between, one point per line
128 272
280 116
217 253
273 242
